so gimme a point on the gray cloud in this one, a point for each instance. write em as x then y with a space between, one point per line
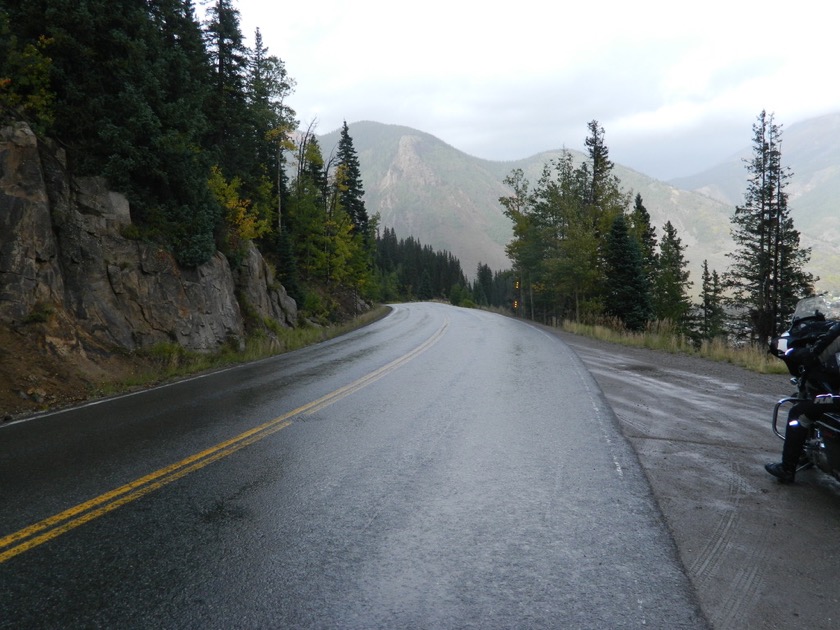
674 93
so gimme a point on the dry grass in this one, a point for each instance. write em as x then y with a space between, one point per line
166 362
663 336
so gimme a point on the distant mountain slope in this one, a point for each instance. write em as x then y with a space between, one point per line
425 188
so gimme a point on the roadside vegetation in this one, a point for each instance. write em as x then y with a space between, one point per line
170 361
584 250
585 254
663 337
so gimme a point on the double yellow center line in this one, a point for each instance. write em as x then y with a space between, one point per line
43 531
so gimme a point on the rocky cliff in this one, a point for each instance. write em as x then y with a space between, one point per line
65 263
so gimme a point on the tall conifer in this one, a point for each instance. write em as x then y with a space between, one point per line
349 181
671 285
642 229
273 120
767 273
712 315
603 196
231 126
627 292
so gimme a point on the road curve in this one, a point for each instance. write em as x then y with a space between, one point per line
440 468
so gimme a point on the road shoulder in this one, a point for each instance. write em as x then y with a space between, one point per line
755 550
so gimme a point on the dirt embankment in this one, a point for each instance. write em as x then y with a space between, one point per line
40 371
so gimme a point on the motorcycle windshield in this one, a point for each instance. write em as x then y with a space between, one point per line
826 305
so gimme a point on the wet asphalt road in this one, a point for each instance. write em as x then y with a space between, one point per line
759 553
441 468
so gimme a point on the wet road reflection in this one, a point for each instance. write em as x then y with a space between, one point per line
441 468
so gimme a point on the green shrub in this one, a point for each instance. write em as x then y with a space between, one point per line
40 314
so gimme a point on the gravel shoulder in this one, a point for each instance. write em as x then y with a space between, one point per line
760 554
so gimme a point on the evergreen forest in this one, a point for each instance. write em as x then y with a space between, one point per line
584 250
197 130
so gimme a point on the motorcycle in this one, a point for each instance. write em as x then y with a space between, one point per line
817 382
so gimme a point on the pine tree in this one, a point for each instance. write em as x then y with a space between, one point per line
645 233
406 270
556 250
179 186
712 316
670 290
268 87
627 292
559 230
484 283
603 197
349 181
767 274
308 208
602 166
231 124
387 250
424 288
604 201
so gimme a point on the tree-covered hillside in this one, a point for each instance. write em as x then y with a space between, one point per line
462 214
196 129
451 200
160 105
424 188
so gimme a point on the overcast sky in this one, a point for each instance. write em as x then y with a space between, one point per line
676 86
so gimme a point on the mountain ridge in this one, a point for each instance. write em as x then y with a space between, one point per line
423 187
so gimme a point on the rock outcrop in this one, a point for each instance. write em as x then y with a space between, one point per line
63 249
